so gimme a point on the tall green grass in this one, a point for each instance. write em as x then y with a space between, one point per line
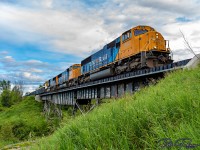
170 109
23 121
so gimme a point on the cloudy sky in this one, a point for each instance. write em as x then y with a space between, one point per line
41 38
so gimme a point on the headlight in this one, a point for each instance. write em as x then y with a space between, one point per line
157 35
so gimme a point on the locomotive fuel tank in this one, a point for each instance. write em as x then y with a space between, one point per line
102 74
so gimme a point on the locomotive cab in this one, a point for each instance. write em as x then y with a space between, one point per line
74 71
148 39
144 44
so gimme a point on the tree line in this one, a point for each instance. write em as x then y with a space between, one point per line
8 95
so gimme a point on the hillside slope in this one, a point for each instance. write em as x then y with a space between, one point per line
170 109
23 121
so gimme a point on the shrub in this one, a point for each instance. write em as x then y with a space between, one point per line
15 97
6 98
20 130
6 133
9 98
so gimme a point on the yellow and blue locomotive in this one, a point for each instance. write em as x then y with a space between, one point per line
136 48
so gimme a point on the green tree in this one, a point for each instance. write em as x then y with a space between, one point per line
9 97
5 85
5 95
19 87
16 95
6 98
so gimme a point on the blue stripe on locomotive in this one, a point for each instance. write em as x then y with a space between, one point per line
101 58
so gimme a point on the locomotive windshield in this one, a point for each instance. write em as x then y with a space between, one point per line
75 67
139 32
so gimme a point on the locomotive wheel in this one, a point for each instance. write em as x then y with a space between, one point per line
117 71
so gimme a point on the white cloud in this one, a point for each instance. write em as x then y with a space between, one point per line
47 3
31 77
61 31
10 62
3 52
79 30
30 88
27 74
27 71
3 76
190 30
36 70
183 7
36 63
9 59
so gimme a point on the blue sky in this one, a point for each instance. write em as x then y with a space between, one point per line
41 38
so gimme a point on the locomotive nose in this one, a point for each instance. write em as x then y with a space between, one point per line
160 43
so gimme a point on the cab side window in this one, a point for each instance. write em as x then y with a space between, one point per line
126 35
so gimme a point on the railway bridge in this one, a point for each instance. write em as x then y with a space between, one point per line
89 94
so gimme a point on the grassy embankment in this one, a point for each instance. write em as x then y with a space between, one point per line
170 109
23 121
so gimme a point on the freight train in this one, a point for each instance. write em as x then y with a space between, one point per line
138 48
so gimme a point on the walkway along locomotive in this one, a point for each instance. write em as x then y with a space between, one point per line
138 48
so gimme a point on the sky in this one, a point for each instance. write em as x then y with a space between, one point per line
41 38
